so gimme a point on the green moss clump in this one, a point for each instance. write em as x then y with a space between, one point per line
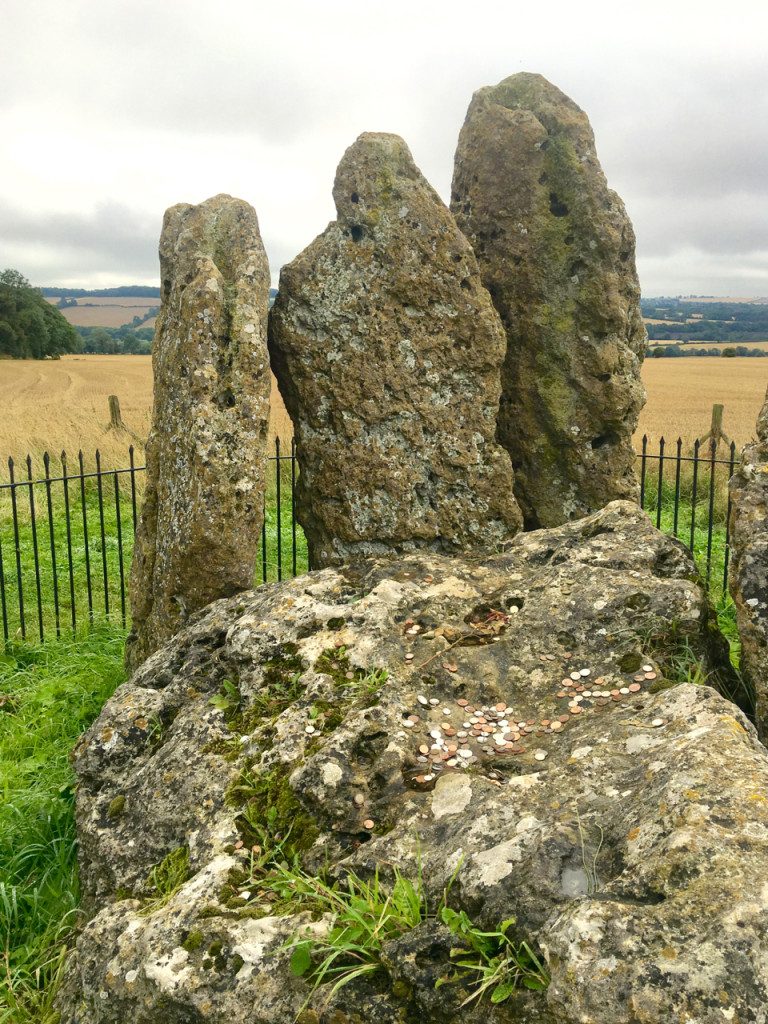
215 949
171 873
237 962
228 747
208 911
193 941
631 661
272 817
123 894
116 808
281 686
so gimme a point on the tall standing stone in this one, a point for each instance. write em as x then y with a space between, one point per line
199 528
556 250
748 581
387 351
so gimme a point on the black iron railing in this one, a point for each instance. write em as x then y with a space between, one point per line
66 534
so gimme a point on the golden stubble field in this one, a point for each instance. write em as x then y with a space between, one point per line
62 404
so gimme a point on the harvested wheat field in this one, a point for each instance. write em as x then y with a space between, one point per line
63 404
682 391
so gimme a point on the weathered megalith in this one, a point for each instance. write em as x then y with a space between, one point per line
202 513
387 351
748 573
532 750
556 250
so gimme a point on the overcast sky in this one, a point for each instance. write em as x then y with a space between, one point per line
112 111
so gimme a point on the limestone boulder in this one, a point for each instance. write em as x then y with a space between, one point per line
556 250
202 512
617 814
388 352
748 572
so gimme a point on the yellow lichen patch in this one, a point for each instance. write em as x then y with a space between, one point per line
757 796
107 734
140 723
668 953
691 794
632 836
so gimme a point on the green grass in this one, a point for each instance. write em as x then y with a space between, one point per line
51 693
97 549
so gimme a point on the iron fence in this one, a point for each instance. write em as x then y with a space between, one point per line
66 535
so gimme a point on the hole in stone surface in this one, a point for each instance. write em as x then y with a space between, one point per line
623 256
514 601
568 240
544 178
556 208
544 145
465 284
357 233
355 197
226 399
607 440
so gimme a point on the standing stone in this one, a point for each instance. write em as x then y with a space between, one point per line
556 250
206 455
388 351
749 566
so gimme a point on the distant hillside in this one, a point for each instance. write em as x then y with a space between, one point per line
724 326
122 291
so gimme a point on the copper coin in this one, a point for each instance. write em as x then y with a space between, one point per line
487 728
576 710
650 675
567 683
413 718
531 721
453 747
616 697
545 721
528 729
451 668
564 718
556 726
428 579
634 687
423 749
449 731
562 694
501 706
368 823
568 655
462 703
614 693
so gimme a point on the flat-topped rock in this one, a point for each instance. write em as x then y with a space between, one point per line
618 816
556 250
202 513
388 353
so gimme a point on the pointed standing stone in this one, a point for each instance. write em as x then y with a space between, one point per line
556 250
387 351
748 575
202 514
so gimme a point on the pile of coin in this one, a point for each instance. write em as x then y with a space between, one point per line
457 734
